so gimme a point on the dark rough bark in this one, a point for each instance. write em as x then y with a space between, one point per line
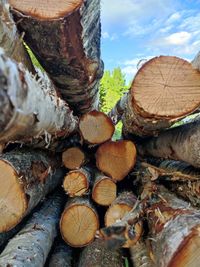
179 143
72 55
140 255
96 255
30 247
25 103
27 177
61 255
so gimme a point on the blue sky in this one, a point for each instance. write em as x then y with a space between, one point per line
136 30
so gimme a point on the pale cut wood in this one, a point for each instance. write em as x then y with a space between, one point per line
61 255
25 103
79 222
73 158
30 247
116 159
65 37
96 127
25 178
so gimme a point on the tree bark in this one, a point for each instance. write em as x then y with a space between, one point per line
61 256
26 178
140 256
72 55
179 143
79 222
25 103
96 255
10 41
30 247
116 159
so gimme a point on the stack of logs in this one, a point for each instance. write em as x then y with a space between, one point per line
67 184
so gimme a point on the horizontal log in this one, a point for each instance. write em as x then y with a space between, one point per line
73 158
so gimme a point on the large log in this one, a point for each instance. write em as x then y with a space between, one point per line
79 222
30 247
179 143
25 178
10 41
65 37
25 103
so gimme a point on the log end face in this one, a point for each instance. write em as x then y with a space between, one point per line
13 202
73 158
115 213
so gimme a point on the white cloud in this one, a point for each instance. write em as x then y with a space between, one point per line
173 18
111 37
178 38
105 35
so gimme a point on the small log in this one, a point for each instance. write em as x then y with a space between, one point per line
79 222
26 177
10 41
179 143
77 182
96 255
73 158
140 255
116 159
61 255
120 207
164 90
65 37
96 127
25 103
30 247
104 190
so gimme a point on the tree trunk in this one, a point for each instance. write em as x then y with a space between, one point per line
96 255
73 158
61 256
96 127
162 92
30 247
116 159
79 222
179 143
25 103
65 37
104 190
10 41
140 256
26 177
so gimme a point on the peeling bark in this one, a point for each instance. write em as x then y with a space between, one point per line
140 255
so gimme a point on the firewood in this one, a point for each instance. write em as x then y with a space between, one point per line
140 255
30 247
10 41
61 255
96 127
30 108
161 80
79 222
73 158
116 159
77 182
26 177
96 255
104 190
72 56
179 143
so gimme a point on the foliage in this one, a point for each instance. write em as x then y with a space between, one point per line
33 58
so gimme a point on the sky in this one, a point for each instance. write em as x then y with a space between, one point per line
134 31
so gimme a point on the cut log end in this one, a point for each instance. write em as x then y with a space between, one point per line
104 191
73 158
76 183
79 223
13 199
176 89
46 9
96 127
116 159
116 213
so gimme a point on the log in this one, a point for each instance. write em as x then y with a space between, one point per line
61 255
162 92
72 56
96 127
140 255
116 159
79 222
73 158
96 255
179 143
77 182
104 190
30 247
25 103
10 41
25 178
